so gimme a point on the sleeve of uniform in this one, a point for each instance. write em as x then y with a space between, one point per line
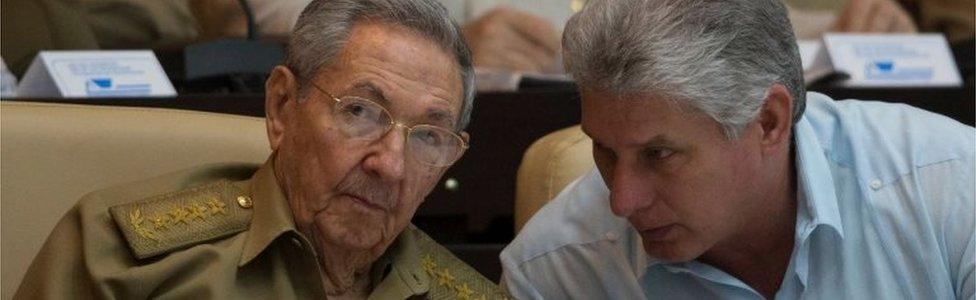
81 259
58 271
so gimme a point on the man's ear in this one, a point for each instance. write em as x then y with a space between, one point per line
280 94
776 119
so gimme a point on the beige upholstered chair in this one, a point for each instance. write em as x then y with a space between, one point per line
548 166
52 154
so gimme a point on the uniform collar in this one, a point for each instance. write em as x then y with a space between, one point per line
399 273
816 197
272 214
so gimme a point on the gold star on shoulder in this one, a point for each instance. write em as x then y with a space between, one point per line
444 277
429 265
463 291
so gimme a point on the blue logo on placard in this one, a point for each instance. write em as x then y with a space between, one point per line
884 66
888 70
104 87
103 83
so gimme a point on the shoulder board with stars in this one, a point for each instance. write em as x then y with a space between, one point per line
167 222
451 278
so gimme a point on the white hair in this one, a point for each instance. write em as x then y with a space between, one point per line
323 29
718 56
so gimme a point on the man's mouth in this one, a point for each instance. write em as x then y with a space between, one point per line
367 202
658 234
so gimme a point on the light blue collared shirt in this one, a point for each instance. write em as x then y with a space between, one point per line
885 210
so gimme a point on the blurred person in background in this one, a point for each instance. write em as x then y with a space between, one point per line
501 36
811 19
521 36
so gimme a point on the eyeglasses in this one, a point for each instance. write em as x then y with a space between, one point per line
364 119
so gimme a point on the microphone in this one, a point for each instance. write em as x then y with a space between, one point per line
232 65
252 28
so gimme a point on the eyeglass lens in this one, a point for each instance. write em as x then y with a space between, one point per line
361 118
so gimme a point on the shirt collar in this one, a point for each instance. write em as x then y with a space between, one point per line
816 197
272 214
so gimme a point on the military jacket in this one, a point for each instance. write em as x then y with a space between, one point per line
214 233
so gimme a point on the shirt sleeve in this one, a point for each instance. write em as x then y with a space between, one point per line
964 272
515 281
960 234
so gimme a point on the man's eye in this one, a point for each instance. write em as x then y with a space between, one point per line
656 154
362 112
356 109
430 138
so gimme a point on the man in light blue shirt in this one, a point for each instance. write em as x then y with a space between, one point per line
718 176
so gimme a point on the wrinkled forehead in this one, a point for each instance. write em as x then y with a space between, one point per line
398 67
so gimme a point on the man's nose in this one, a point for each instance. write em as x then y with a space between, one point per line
387 156
629 191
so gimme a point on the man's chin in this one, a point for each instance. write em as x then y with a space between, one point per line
364 240
356 232
669 252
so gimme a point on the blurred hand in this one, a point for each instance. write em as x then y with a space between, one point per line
509 39
877 16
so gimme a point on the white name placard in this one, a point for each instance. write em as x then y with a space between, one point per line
84 74
808 52
893 60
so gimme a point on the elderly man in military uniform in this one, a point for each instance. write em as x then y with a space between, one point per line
364 117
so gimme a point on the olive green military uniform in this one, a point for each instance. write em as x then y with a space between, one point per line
212 233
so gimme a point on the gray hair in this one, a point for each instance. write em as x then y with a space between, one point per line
323 29
718 56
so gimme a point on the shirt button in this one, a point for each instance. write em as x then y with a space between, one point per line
875 184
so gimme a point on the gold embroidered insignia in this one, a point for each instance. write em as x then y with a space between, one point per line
136 220
179 215
450 278
196 211
429 265
463 291
216 207
444 277
161 222
166 222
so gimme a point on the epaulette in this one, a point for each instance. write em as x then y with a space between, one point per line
167 222
451 278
